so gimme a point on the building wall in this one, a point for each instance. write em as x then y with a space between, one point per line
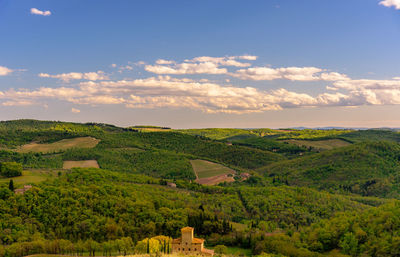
187 237
184 248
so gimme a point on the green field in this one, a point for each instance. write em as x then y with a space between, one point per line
319 144
206 169
78 142
29 177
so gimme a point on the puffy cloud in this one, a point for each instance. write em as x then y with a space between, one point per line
223 61
199 65
290 73
391 3
4 71
163 62
74 110
39 12
247 57
66 77
187 68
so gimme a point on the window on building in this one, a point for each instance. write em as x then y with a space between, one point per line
189 249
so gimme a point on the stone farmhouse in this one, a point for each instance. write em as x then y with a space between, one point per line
189 245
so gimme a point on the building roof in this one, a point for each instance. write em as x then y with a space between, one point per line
197 241
177 241
207 251
186 229
194 241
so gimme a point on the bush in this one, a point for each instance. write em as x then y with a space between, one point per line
221 249
10 169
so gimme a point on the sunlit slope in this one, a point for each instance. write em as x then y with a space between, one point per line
366 168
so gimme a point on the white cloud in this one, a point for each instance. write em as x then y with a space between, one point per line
74 110
290 73
199 65
4 71
247 57
391 3
39 12
187 68
163 62
66 77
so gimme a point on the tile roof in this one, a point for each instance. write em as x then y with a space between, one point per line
197 241
187 229
207 251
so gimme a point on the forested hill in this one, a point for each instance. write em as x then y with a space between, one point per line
369 169
286 192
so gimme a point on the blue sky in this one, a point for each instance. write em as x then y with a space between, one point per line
225 63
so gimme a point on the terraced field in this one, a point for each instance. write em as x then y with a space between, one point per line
78 142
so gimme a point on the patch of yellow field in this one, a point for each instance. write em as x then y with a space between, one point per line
80 164
78 142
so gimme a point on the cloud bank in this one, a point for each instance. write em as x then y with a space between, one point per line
188 87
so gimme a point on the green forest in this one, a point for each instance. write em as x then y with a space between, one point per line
288 196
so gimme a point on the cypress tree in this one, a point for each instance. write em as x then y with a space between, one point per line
11 185
148 245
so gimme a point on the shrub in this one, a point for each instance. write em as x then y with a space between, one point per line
10 169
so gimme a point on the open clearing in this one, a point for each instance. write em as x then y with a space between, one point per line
206 169
320 144
29 177
80 164
78 142
210 173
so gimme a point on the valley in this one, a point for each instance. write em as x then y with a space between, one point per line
253 191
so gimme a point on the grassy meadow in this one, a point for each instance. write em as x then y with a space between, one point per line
64 144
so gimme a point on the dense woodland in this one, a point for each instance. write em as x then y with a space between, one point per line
299 201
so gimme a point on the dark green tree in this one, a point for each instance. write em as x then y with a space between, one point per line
11 185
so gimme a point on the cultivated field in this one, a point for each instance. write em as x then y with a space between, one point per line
78 142
215 180
210 173
320 144
80 164
206 169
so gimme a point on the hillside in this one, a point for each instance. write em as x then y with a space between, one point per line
369 169
290 201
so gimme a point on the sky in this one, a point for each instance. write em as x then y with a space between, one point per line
195 64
